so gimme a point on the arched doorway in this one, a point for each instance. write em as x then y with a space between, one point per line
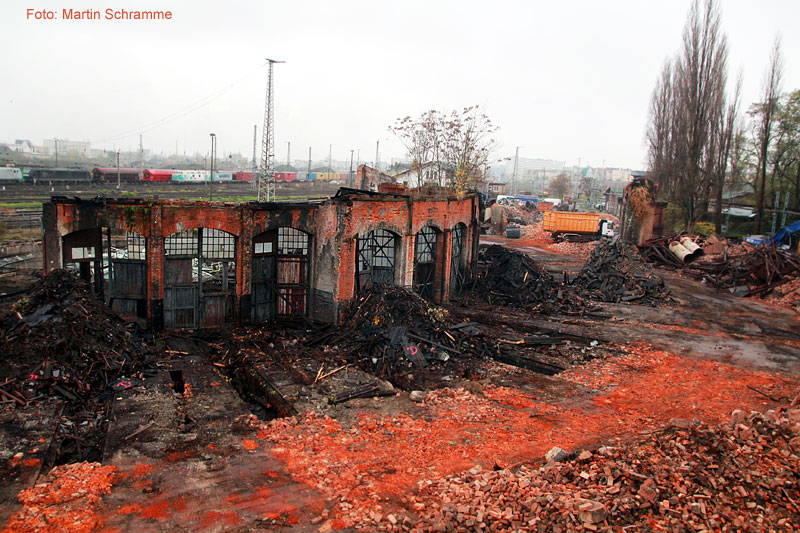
375 258
199 278
426 250
280 274
127 255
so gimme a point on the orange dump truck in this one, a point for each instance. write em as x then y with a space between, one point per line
574 226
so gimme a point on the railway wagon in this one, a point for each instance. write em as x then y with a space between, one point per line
157 175
224 175
285 176
244 175
109 174
10 175
191 176
59 175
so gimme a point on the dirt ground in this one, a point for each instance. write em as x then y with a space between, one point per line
200 460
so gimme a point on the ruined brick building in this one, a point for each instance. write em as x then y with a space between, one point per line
180 264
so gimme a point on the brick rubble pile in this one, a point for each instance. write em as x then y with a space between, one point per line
692 476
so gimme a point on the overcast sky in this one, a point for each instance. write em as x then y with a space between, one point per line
566 80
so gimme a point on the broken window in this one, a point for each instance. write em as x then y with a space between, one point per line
82 251
280 273
457 258
199 277
219 267
125 267
375 258
182 243
425 258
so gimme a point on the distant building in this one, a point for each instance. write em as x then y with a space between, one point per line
430 173
23 146
496 188
369 179
67 147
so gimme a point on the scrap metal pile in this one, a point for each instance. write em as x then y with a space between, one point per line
688 477
511 278
617 273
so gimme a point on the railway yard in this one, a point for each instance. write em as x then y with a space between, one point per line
565 387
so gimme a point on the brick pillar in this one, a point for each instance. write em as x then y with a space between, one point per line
51 240
244 265
155 270
447 245
407 249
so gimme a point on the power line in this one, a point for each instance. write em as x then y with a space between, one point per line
191 108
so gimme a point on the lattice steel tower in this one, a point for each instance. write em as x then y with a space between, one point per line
266 172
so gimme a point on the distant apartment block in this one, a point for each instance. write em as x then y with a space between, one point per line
66 147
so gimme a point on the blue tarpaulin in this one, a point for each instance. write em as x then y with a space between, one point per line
782 237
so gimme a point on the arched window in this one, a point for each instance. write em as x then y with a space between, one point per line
426 250
199 278
375 258
458 258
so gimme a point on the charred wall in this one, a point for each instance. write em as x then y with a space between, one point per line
317 280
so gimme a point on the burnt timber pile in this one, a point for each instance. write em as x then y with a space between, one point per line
511 278
61 342
615 272
396 335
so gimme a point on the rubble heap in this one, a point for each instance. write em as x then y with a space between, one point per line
688 477
757 272
390 331
60 340
511 278
616 272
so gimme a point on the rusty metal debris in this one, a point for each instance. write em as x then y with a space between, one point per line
761 270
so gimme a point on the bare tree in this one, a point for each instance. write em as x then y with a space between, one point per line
453 149
765 114
788 145
686 105
421 137
468 146
560 185
659 129
723 138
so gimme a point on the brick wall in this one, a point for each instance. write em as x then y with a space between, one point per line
333 226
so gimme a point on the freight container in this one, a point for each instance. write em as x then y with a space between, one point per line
574 226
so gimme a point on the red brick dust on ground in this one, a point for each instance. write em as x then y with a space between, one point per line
371 468
66 501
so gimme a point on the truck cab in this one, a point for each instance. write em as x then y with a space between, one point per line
606 228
